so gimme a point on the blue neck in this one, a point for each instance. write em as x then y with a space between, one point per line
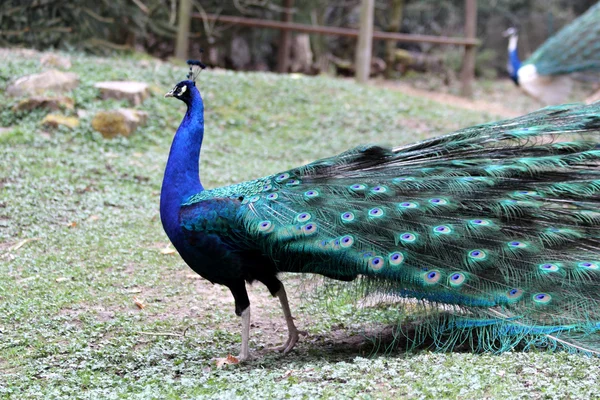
182 178
514 63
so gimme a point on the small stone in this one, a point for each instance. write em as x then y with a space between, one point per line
56 61
53 80
122 121
50 103
56 120
134 92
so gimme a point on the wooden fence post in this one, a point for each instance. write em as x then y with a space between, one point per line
365 41
468 68
283 53
183 29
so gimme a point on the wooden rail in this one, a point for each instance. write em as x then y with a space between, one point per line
329 30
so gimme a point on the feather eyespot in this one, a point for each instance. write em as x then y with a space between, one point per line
516 244
367 254
549 267
358 187
282 177
309 229
477 254
292 182
403 179
438 201
456 279
267 187
396 258
589 265
542 298
272 196
265 226
442 229
514 294
408 204
432 277
346 241
525 193
335 244
254 198
376 263
348 216
408 237
324 244
480 222
303 217
379 189
309 194
376 212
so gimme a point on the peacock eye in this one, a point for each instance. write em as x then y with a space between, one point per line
182 90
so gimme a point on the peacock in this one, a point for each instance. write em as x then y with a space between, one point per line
546 74
499 224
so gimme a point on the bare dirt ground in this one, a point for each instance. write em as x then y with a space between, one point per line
491 107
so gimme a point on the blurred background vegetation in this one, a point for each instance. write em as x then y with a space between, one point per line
104 26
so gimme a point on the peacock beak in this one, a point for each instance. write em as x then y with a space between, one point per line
170 93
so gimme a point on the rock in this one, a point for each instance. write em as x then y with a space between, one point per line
53 80
50 103
56 61
122 121
56 120
134 92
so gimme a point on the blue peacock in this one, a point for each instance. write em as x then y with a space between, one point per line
498 222
574 49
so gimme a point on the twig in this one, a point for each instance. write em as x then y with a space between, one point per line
186 329
142 6
22 243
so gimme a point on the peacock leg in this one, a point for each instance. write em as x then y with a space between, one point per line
293 332
245 352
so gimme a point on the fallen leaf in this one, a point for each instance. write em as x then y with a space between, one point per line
72 224
167 250
220 362
94 218
62 279
139 303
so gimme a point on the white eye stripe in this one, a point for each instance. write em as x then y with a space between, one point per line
182 91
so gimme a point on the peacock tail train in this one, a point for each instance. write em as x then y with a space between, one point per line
573 49
499 223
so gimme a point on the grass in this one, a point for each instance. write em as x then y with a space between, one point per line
80 238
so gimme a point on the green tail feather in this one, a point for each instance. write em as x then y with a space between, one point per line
575 48
501 220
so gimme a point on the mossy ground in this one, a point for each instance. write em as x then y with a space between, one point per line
80 238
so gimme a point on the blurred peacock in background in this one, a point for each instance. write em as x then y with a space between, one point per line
546 75
498 223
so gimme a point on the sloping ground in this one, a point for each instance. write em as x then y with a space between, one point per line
81 243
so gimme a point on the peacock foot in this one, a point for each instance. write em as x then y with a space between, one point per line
291 341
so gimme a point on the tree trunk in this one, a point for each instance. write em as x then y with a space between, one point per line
365 41
396 12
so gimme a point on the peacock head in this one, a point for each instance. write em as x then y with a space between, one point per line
185 90
182 91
